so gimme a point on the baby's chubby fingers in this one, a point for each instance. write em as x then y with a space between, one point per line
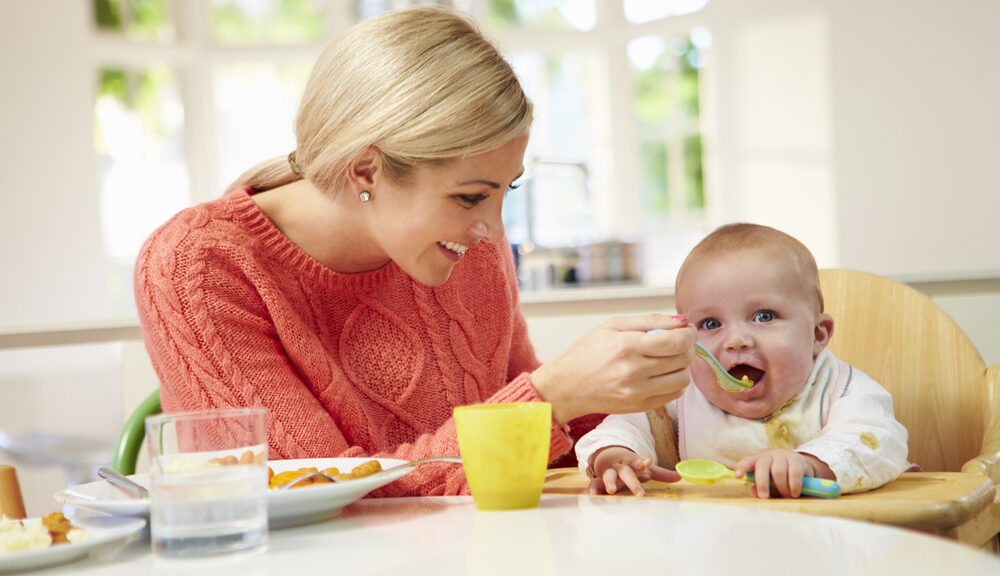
596 486
628 477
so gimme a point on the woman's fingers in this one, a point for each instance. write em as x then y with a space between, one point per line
670 344
618 368
643 322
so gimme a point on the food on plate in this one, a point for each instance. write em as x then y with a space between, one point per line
53 529
247 457
186 464
364 469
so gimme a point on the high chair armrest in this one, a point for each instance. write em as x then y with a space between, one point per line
987 463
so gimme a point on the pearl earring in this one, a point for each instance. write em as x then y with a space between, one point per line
365 196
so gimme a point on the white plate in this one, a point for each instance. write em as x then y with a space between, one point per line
102 531
284 508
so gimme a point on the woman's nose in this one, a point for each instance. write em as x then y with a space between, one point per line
490 230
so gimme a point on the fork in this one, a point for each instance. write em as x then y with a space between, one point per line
318 473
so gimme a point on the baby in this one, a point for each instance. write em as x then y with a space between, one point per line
753 294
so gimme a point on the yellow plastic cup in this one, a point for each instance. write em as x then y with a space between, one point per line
505 452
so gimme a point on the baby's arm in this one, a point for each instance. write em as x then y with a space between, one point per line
782 471
617 466
862 442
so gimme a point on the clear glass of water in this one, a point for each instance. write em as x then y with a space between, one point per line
208 473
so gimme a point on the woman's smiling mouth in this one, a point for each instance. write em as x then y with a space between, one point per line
456 249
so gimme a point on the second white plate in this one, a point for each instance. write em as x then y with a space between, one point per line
284 508
101 531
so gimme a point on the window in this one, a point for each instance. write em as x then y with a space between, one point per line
613 169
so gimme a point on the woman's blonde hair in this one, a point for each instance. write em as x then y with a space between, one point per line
422 85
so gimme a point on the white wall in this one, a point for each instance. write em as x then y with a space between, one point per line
915 101
51 261
867 128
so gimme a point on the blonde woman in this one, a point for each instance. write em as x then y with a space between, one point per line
362 286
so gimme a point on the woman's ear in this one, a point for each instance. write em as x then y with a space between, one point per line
365 170
822 333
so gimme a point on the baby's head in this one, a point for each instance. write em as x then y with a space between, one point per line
753 293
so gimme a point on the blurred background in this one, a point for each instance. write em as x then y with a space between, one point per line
865 128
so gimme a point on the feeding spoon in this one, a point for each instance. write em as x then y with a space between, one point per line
726 380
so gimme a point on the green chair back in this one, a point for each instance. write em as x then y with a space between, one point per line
130 441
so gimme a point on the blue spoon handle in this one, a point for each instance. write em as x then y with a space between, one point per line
817 487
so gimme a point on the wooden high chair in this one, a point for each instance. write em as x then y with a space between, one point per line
942 390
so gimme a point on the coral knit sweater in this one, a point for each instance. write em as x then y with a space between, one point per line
348 365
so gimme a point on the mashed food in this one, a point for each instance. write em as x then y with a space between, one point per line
55 528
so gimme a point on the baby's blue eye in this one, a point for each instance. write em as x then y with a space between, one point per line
709 324
763 316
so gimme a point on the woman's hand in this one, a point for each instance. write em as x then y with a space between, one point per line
618 369
616 466
781 472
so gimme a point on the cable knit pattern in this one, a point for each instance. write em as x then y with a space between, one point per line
348 365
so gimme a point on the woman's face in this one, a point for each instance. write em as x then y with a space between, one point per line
426 224
758 317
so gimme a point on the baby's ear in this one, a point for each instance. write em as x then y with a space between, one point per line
822 333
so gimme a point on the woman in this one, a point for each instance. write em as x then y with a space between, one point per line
362 287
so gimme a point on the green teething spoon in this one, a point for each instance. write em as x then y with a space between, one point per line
725 380
710 472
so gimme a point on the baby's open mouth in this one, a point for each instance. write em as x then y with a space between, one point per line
746 372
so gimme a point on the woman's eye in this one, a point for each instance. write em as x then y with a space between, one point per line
471 199
763 316
709 324
513 186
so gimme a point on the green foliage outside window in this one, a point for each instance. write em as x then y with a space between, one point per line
666 109
286 22
140 92
654 176
512 14
141 19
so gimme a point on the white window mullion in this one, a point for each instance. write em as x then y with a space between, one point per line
196 88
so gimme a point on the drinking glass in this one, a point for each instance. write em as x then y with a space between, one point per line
505 452
208 472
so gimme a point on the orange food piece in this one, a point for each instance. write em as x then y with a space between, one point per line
280 479
58 527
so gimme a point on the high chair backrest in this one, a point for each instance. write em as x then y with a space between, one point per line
942 391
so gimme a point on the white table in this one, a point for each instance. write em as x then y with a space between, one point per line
568 535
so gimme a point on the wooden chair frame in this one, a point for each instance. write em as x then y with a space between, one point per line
942 390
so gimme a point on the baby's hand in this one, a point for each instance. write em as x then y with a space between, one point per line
781 471
616 466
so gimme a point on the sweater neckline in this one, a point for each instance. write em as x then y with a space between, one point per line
289 254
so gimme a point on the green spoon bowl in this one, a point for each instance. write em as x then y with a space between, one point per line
725 380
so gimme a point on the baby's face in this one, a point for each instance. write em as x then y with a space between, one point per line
758 317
